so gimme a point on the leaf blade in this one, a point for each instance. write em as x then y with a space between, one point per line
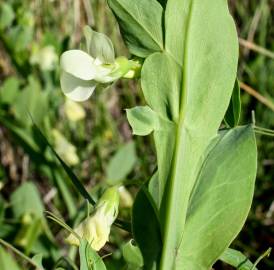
141 25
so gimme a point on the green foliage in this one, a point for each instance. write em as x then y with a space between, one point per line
133 256
237 259
121 164
140 24
90 260
202 181
26 199
7 262
233 114
225 182
147 234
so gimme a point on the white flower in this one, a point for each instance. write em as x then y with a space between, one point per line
96 228
126 200
64 148
82 72
74 111
45 57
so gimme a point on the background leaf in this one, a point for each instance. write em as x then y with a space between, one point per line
132 255
140 24
7 262
121 164
146 229
233 113
26 199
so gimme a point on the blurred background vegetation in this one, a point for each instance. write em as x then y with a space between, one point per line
94 137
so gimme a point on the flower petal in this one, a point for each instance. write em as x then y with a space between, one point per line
79 64
75 88
99 46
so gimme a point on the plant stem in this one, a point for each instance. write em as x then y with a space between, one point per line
19 253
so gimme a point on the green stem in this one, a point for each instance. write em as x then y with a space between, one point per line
19 253
265 254
179 188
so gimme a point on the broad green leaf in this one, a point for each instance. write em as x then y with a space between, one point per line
220 201
7 262
89 259
99 46
121 164
140 24
146 229
144 120
6 15
237 259
201 38
133 255
31 100
9 90
26 199
233 113
161 85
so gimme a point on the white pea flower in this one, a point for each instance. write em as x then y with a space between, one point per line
82 72
64 148
96 228
74 111
45 57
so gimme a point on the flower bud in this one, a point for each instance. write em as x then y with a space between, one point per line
96 228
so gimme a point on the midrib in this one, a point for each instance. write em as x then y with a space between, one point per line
171 204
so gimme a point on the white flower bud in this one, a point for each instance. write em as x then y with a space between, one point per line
96 228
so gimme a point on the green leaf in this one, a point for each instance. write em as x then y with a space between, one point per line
26 199
162 93
132 255
143 121
31 100
7 262
220 201
201 38
121 164
99 46
237 259
146 229
233 113
140 24
9 90
6 15
89 259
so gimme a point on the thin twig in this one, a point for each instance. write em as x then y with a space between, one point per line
258 96
256 48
